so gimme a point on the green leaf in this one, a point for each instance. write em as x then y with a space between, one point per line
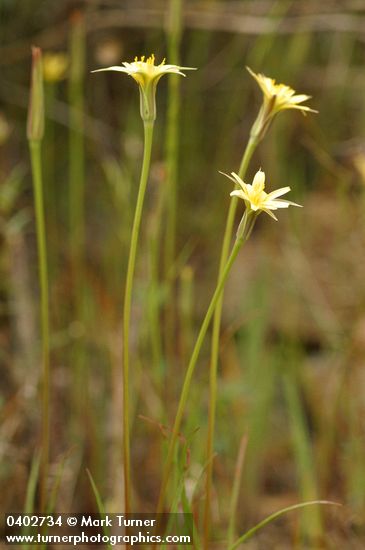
275 515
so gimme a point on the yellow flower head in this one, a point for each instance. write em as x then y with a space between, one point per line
144 72
54 66
277 97
280 96
255 196
147 75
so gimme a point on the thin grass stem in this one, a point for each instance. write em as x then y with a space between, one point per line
236 489
77 210
76 142
312 522
275 515
36 160
31 492
172 158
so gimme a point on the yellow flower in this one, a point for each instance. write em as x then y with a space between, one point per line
277 97
144 72
255 196
54 66
284 97
147 75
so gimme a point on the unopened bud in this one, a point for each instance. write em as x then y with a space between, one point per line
35 123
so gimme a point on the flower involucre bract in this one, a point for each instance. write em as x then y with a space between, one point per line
255 196
147 75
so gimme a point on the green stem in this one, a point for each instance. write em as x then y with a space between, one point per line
77 216
236 490
154 292
49 164
189 373
76 146
148 134
250 148
36 160
172 146
312 521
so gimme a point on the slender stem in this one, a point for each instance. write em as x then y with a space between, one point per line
77 214
189 373
154 294
172 157
312 521
49 170
250 148
36 160
76 146
148 134
236 489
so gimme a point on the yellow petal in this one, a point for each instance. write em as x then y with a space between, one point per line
258 183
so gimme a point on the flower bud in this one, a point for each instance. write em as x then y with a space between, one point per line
35 123
54 66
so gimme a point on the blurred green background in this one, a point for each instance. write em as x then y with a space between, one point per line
291 372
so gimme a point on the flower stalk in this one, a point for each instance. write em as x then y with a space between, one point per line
147 76
249 151
276 97
256 201
148 135
191 368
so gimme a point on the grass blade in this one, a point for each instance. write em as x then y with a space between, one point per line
275 515
99 502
